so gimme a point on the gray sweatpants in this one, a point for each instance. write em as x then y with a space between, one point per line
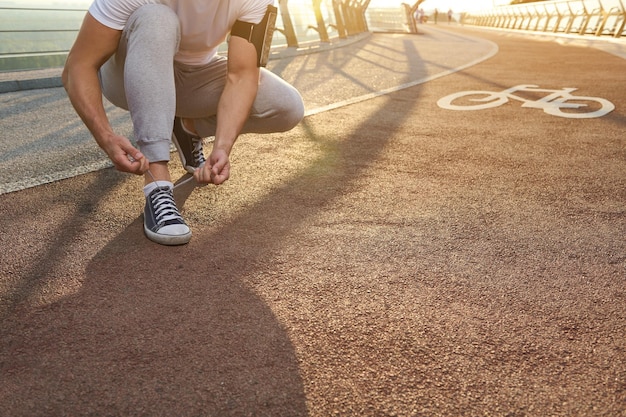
143 77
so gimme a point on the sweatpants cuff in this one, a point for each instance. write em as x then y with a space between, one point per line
155 150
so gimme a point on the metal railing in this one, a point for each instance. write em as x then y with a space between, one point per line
581 17
36 37
40 37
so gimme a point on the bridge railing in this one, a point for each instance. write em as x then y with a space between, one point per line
582 17
34 34
36 37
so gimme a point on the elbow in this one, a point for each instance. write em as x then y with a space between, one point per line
65 77
67 69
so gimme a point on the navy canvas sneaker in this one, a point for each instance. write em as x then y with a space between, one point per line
189 147
162 222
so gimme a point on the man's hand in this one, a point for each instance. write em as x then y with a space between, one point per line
242 83
216 169
125 156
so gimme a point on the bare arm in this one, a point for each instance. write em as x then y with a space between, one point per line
94 45
242 84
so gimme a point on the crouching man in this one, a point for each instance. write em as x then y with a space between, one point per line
158 60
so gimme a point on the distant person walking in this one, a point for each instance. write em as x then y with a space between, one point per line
436 15
449 16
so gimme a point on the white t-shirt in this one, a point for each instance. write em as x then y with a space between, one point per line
204 23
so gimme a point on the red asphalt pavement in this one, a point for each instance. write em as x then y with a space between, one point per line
386 258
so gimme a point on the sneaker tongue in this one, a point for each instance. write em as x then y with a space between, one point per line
157 184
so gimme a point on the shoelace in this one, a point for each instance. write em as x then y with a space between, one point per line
164 206
177 185
198 155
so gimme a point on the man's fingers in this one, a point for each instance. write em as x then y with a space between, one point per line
220 175
203 174
137 162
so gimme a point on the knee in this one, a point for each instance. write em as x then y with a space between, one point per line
157 21
278 102
291 111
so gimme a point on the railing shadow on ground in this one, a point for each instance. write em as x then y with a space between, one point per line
188 332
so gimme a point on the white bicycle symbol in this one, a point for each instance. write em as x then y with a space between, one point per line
553 103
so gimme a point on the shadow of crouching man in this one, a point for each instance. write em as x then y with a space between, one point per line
153 331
